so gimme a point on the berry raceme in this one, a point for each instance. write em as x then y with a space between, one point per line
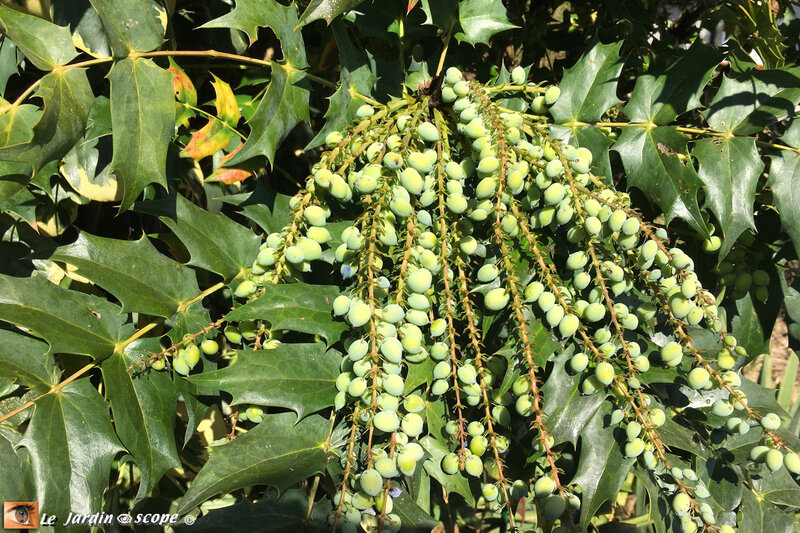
464 212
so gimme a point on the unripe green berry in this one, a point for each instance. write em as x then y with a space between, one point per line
544 487
774 460
496 299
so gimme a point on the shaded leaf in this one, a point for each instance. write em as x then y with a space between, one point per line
70 321
300 377
276 452
440 13
229 175
26 361
784 174
215 242
412 516
87 28
283 107
325 9
71 444
138 275
566 411
589 88
14 467
760 516
747 327
297 307
481 19
45 44
457 483
249 15
730 169
142 117
144 405
656 163
132 26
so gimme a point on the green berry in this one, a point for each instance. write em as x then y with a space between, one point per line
774 460
604 373
496 299
634 448
698 378
386 421
544 487
681 504
180 366
371 482
473 465
771 421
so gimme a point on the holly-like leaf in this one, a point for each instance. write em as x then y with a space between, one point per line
67 98
274 377
297 307
440 13
144 405
217 133
730 168
215 242
325 9
277 452
760 516
70 321
249 15
71 445
566 410
481 19
26 361
143 118
457 482
784 174
185 93
87 28
45 44
661 99
589 88
132 26
588 137
229 175
601 468
264 206
747 103
138 275
15 467
656 163
356 74
283 107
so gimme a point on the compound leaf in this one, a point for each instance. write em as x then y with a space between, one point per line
25 360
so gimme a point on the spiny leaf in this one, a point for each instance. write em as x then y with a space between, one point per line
70 321
325 9
655 161
784 174
356 74
87 28
217 133
567 411
67 98
144 405
248 15
457 482
276 452
229 175
660 99
759 516
142 117
141 278
440 13
45 44
71 445
297 307
730 168
273 377
480 20
215 242
283 107
747 103
185 93
589 88
26 361
132 26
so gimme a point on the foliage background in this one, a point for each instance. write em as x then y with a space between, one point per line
97 157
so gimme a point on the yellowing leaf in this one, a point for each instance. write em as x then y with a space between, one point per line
185 94
227 107
230 175
208 140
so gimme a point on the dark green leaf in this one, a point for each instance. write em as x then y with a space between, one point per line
418 374
249 15
440 13
283 107
356 74
9 61
566 411
601 467
760 516
276 452
297 307
778 488
745 104
144 405
71 444
270 515
143 118
71 322
215 242
592 138
747 328
141 278
457 483
413 518
132 26
784 174
730 168
266 207
16 470
26 361
481 19
300 377
326 9
661 99
722 482
589 88
657 163
45 44
85 24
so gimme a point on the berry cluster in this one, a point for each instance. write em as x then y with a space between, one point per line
473 232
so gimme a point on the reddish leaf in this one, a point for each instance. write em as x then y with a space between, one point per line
208 140
185 93
230 175
411 4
